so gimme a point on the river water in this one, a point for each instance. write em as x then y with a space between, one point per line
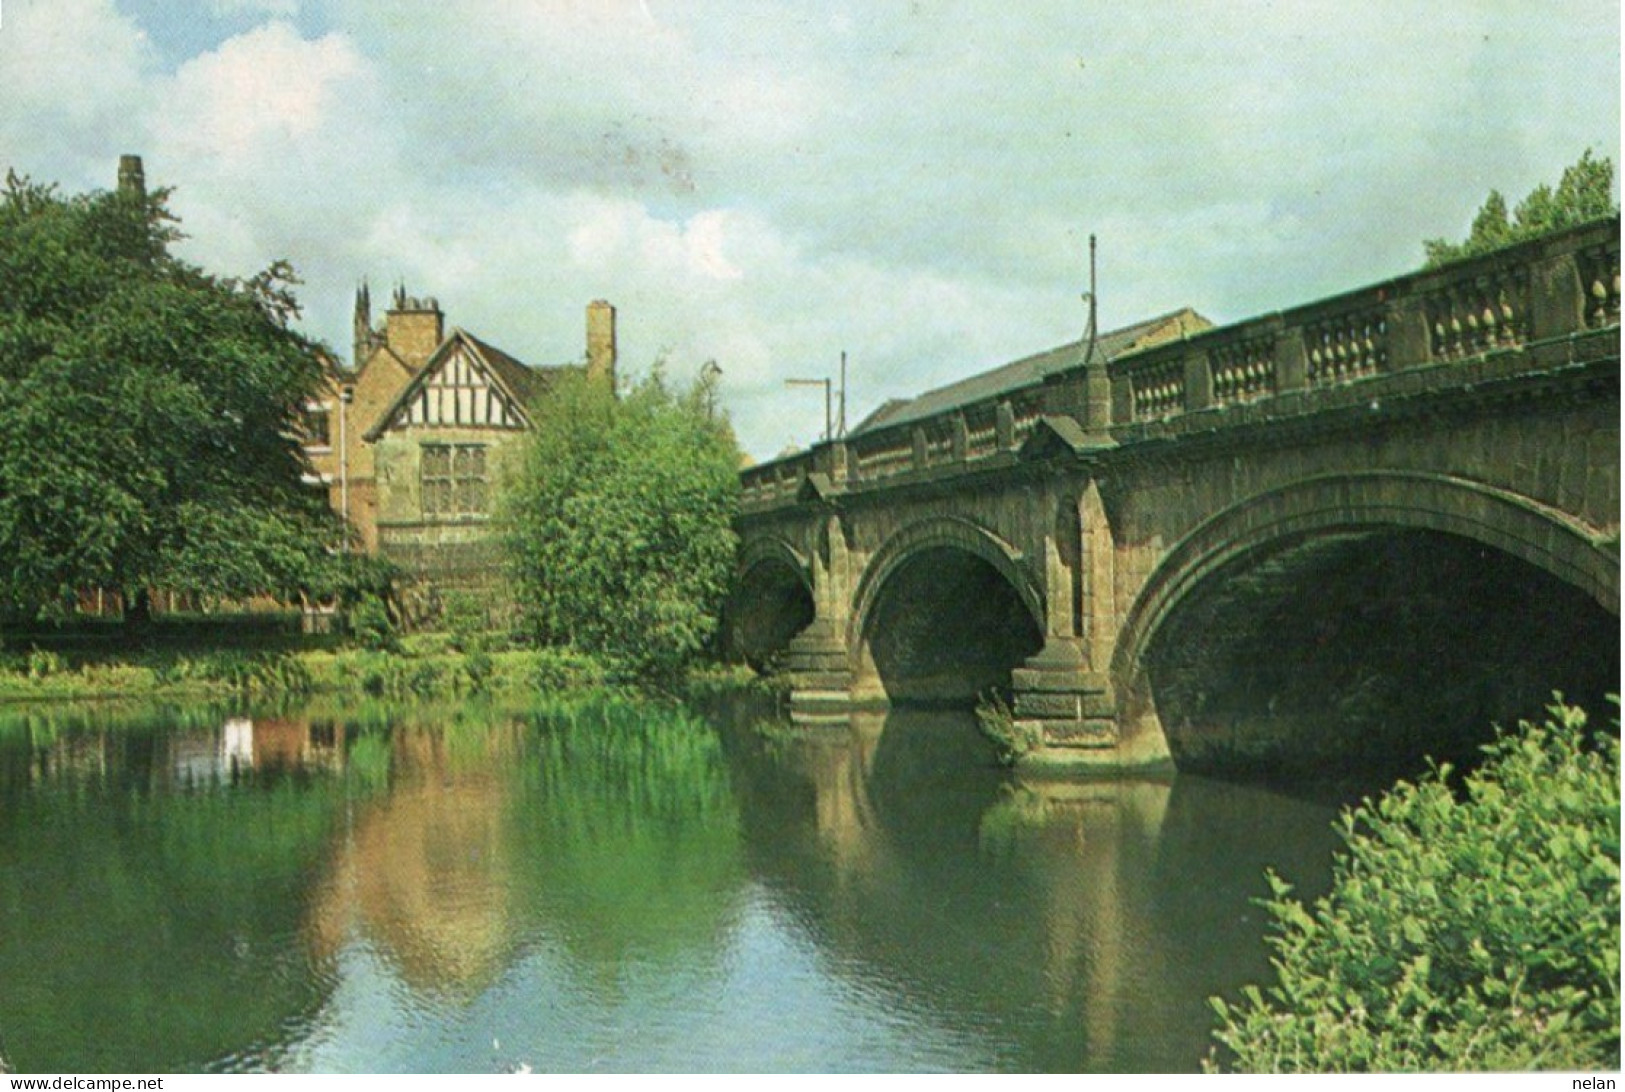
610 887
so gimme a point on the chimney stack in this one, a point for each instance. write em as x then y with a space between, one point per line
414 328
601 342
132 181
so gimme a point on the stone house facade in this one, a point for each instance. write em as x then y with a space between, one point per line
412 443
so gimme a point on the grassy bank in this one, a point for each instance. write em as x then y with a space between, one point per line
215 663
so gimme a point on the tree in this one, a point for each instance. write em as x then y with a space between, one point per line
1465 930
1585 193
148 411
619 522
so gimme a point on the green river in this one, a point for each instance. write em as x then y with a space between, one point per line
610 887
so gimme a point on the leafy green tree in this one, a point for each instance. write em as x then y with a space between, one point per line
148 411
1466 930
619 522
1584 193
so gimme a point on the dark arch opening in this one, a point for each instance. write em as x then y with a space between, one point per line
945 627
769 607
1355 657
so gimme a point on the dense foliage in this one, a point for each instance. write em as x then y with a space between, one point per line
148 411
1584 193
1465 930
619 523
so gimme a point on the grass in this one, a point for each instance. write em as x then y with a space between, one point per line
213 659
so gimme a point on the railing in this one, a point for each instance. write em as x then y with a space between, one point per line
1552 287
1347 346
1599 280
1545 288
1159 390
1243 371
1480 314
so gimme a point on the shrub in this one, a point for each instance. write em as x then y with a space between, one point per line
465 620
371 625
1010 739
43 663
1477 930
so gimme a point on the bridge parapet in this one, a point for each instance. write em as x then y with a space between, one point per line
1552 287
1563 285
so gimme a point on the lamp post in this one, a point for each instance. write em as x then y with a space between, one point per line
825 383
709 375
346 395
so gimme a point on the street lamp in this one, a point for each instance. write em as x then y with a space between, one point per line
825 383
346 396
709 375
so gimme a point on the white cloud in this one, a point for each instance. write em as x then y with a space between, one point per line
74 75
280 8
767 184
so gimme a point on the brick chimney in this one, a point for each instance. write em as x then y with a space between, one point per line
414 328
132 181
601 341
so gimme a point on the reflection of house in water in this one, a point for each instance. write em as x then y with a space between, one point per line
242 743
425 875
73 756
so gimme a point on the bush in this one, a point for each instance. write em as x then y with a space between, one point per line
372 627
43 663
1467 931
466 622
998 725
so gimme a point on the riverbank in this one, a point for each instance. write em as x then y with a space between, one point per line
263 663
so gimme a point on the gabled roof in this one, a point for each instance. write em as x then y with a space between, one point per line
515 379
1032 370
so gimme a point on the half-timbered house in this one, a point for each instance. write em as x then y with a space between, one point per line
440 445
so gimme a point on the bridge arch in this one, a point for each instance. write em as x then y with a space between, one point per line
1398 508
946 555
768 550
772 601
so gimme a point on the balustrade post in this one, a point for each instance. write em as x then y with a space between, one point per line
1198 382
961 437
1557 297
1099 400
1409 341
1122 399
1004 426
1291 361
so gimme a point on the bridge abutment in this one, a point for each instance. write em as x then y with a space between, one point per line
820 675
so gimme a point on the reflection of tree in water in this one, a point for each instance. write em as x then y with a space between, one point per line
148 931
629 836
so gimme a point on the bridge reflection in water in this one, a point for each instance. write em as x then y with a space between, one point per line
1080 924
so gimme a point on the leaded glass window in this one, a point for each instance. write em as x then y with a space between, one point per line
454 481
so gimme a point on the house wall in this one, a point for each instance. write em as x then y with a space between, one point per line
446 552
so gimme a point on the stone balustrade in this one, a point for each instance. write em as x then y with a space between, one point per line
1348 346
1563 285
1243 370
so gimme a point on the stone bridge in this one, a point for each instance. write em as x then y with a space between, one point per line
1095 534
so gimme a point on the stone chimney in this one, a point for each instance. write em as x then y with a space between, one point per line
414 328
132 181
601 341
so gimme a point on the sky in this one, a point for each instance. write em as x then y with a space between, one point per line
769 184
